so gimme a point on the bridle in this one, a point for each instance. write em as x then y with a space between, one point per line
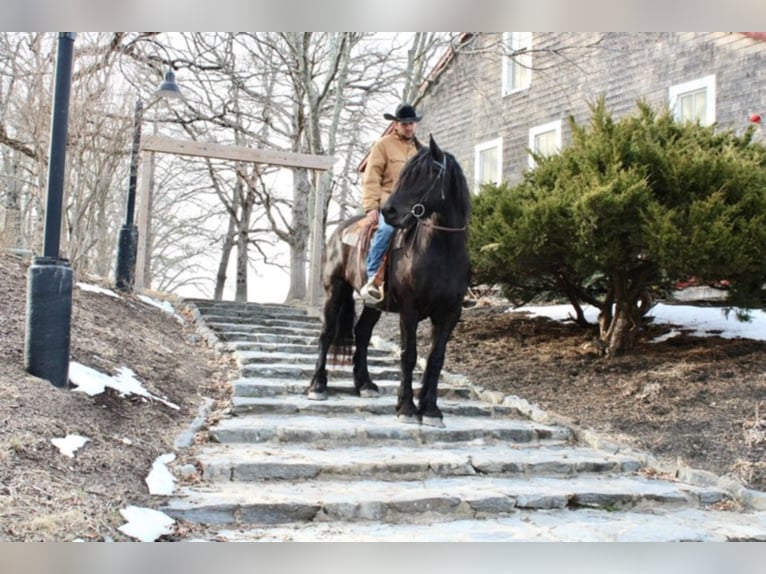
418 210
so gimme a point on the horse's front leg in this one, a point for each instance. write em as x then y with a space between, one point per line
362 334
441 329
408 328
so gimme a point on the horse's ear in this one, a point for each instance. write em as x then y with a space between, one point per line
436 153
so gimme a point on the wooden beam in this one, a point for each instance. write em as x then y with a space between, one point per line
236 153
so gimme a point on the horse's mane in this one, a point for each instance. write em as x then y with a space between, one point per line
420 169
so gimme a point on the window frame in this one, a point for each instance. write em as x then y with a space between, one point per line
515 41
708 83
479 148
554 126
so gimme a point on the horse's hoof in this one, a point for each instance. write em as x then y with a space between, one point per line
317 396
407 419
433 422
369 393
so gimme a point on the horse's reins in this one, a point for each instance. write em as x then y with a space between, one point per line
418 210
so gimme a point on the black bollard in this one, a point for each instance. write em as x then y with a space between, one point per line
49 319
127 248
49 282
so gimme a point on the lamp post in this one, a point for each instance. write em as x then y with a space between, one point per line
49 282
127 245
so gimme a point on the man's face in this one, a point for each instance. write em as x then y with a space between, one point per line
405 130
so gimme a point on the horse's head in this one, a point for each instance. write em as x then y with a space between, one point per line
430 183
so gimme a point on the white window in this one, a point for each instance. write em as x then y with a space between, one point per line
517 61
545 140
488 162
694 101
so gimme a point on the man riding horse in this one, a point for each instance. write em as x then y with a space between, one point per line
384 164
427 276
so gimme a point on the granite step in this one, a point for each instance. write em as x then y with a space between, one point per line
270 330
560 525
420 501
310 350
264 320
346 404
260 337
247 463
365 429
208 306
337 387
306 371
305 360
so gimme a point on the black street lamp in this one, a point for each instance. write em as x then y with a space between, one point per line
49 280
127 245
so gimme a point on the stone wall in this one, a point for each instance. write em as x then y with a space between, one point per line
465 106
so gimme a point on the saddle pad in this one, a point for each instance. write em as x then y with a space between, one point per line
350 235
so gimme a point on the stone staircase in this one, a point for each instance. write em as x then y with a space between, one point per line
281 467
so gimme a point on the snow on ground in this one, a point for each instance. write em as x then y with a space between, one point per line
698 321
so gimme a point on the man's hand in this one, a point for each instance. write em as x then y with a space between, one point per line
372 217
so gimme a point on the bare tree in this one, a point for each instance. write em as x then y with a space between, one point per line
317 93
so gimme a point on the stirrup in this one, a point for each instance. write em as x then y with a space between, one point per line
371 293
469 302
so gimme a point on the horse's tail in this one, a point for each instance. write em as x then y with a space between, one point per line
342 328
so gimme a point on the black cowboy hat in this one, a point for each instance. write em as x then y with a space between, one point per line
404 113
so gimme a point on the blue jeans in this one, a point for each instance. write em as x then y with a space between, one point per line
378 245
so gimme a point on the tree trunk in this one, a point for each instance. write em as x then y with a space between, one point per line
223 264
300 235
620 336
240 295
620 318
228 245
12 226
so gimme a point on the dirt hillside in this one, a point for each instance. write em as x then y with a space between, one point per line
45 495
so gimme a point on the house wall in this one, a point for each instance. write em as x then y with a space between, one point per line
465 106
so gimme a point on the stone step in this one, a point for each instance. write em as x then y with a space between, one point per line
306 371
420 501
267 330
312 350
341 405
565 525
365 429
273 309
242 336
264 320
303 359
247 463
337 387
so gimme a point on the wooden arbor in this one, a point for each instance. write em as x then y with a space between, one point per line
162 144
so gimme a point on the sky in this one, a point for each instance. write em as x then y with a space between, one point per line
353 15
147 525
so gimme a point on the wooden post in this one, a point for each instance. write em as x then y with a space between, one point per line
144 210
317 242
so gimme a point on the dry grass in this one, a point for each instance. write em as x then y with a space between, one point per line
47 496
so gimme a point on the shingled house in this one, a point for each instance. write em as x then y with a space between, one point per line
496 95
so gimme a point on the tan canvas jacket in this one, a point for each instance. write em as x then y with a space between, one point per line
384 164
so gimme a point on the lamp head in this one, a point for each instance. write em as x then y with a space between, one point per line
168 88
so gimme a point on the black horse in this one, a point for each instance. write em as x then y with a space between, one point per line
427 275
